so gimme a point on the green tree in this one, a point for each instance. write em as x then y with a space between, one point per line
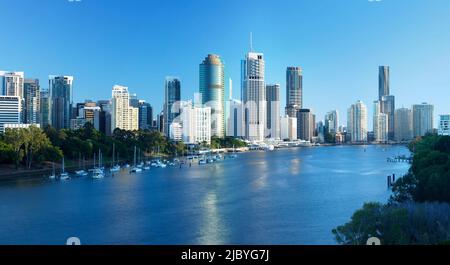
16 139
6 153
35 141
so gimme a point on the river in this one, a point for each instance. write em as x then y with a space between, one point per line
290 196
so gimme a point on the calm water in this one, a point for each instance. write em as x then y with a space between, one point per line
294 196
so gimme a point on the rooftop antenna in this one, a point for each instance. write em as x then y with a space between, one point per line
251 41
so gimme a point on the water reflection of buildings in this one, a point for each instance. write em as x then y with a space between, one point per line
212 228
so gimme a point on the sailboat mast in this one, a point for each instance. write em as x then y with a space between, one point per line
134 159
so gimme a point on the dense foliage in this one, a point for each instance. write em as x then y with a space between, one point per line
227 142
397 224
418 211
27 145
429 176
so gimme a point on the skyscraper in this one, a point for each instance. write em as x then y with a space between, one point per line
234 121
103 122
383 82
32 95
423 115
45 108
305 125
254 96
11 83
444 125
332 122
403 125
10 111
145 115
380 124
172 97
123 116
212 90
273 111
294 90
388 108
60 101
357 122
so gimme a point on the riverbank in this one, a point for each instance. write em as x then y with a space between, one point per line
9 172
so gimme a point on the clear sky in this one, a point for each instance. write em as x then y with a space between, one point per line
136 43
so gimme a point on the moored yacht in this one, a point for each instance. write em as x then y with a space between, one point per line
97 173
64 175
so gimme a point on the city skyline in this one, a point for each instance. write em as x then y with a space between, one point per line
349 65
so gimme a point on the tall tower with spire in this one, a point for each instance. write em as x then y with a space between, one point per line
253 94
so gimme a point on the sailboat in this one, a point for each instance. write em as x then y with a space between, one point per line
53 175
115 167
135 169
97 172
81 172
64 175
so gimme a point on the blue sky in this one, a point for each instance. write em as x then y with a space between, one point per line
138 42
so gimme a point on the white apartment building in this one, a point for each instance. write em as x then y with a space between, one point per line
196 123
380 124
357 122
123 116
288 128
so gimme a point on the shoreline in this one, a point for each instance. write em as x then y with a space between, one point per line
27 174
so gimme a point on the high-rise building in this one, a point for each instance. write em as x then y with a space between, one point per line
403 125
145 115
423 115
444 125
388 108
32 96
11 83
134 101
305 125
357 122
45 108
90 111
60 88
103 121
332 122
288 128
160 122
380 124
196 123
176 131
10 111
235 119
294 90
123 116
171 102
273 111
254 96
212 90
383 82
